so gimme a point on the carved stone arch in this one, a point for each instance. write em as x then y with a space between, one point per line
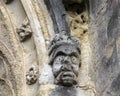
11 54
8 73
5 89
6 77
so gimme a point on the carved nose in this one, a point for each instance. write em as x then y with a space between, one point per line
66 67
67 60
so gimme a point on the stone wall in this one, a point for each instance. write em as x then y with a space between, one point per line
26 29
104 38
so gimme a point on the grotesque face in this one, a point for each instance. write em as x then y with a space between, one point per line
66 65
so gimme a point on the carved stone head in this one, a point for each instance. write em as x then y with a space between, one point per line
64 53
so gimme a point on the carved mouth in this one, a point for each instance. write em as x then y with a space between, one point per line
66 78
68 74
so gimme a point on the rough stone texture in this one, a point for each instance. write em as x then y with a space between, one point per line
52 90
58 15
83 76
64 58
24 31
78 18
32 75
7 1
5 77
11 58
100 48
104 38
77 14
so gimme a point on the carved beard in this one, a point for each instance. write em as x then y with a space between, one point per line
66 78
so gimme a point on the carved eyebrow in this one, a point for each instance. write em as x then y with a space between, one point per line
74 54
60 53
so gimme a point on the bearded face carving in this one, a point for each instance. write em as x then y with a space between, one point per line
65 62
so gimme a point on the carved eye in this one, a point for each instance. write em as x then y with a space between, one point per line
59 58
74 59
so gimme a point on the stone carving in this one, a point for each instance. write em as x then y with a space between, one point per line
5 89
24 31
77 14
32 75
58 15
64 53
7 1
5 77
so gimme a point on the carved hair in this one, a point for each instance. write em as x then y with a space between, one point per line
61 40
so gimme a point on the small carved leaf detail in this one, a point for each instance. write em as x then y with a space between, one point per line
32 75
24 31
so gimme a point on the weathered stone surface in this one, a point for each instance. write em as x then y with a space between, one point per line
6 78
7 1
11 63
52 90
104 26
58 15
64 54
57 92
32 75
24 31
95 23
5 89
